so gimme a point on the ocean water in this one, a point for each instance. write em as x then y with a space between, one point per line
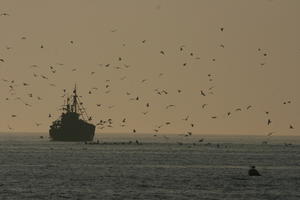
163 167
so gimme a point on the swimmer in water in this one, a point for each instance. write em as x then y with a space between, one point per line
253 172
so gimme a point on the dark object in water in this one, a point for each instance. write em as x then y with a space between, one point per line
253 172
240 179
41 137
72 125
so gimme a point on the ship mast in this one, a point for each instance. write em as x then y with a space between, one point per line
76 105
75 102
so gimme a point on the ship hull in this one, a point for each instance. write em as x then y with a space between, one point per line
78 131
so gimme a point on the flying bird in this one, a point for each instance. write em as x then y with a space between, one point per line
44 77
186 118
4 14
269 122
202 93
169 106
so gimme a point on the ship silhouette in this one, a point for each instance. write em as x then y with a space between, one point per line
73 123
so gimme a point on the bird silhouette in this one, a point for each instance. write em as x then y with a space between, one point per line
248 107
202 93
4 14
169 106
186 118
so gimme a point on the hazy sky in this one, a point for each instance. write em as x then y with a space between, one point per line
104 30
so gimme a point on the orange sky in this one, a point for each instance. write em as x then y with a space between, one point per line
102 31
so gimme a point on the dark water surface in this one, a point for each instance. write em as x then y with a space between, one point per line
160 168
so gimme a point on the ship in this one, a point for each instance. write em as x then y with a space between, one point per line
74 123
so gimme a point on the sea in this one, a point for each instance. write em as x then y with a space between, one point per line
144 166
